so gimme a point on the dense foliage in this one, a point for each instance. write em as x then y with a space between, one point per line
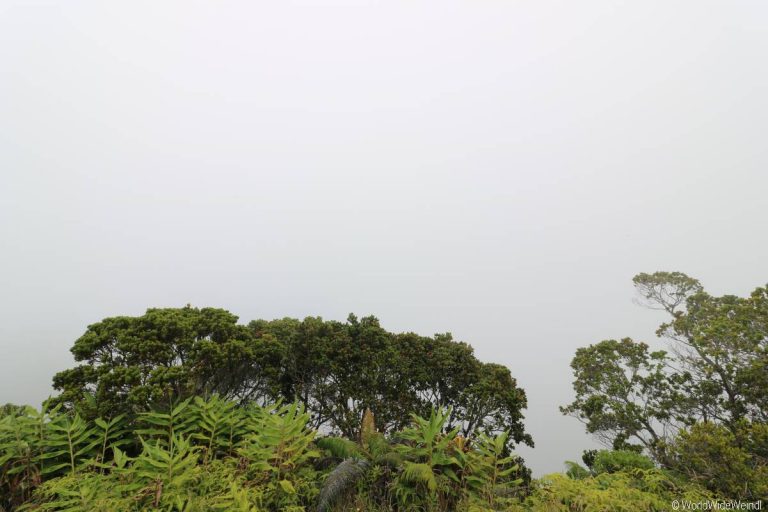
699 410
650 490
337 370
183 410
214 455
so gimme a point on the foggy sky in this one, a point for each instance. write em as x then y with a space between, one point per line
498 169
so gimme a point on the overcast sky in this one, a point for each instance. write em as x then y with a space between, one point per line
499 169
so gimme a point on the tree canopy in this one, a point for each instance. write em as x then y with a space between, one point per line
130 363
186 408
708 391
337 370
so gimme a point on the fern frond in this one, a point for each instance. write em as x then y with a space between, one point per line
340 480
339 447
576 471
420 474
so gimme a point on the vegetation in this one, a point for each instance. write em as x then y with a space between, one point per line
623 491
699 410
186 410
212 455
336 370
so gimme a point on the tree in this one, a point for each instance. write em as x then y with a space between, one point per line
722 342
702 395
339 370
163 356
733 464
626 394
492 403
667 291
445 373
12 410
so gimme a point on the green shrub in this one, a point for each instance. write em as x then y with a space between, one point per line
612 461
733 464
632 490
211 455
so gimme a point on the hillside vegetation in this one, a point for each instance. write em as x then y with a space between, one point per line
187 410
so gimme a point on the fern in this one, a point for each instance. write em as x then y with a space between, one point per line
340 480
167 470
71 444
495 472
576 471
217 423
19 465
420 474
373 455
163 427
112 434
282 443
429 473
340 447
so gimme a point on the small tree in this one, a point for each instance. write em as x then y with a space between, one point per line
165 355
